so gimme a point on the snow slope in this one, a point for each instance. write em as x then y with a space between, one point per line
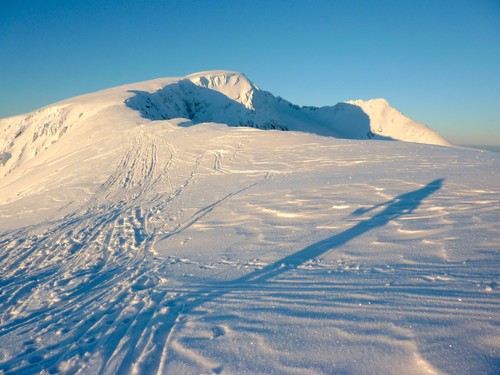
130 243
230 98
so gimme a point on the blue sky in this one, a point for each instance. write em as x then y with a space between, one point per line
436 61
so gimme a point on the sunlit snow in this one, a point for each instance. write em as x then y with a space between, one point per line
157 228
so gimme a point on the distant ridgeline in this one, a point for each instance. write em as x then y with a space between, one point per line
231 98
216 96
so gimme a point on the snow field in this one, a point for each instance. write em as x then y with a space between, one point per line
139 246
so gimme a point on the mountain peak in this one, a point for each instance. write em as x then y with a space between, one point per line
217 96
219 77
236 86
376 100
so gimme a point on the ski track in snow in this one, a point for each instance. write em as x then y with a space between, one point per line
102 247
152 248
90 280
92 288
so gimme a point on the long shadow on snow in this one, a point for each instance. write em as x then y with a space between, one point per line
402 205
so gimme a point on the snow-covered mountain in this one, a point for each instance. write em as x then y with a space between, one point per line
133 242
215 96
231 98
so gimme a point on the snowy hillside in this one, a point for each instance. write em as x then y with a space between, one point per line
215 96
144 231
230 98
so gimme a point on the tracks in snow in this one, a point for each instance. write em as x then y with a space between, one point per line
86 288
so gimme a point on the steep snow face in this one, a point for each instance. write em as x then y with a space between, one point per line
231 98
387 121
220 97
25 137
213 96
236 86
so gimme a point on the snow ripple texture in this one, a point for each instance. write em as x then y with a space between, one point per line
143 245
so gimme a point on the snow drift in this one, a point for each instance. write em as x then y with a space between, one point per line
134 242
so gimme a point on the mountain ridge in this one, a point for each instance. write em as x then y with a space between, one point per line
141 240
219 96
364 120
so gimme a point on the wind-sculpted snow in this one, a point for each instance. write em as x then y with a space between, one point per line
137 244
35 132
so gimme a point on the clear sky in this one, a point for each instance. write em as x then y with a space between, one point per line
437 61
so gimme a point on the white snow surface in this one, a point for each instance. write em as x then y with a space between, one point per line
143 231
